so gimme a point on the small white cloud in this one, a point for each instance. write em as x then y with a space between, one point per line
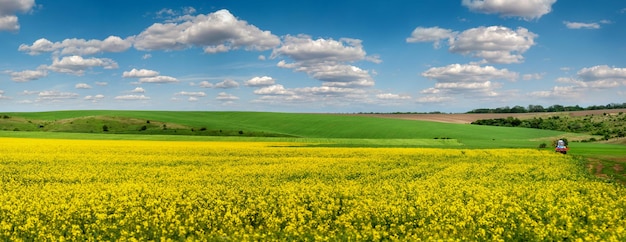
527 10
27 92
192 99
469 80
433 34
260 81
138 90
134 73
276 89
132 97
261 57
76 65
191 94
28 75
55 95
392 96
228 83
78 46
146 56
568 92
222 96
94 98
102 83
468 73
82 86
579 25
158 79
205 84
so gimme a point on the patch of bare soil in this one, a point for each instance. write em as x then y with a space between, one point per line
618 168
595 167
466 118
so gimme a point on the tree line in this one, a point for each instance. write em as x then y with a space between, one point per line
540 109
606 125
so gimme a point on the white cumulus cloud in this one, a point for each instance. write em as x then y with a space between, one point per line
326 60
135 73
602 72
29 75
260 81
205 84
468 73
78 46
495 44
226 84
82 86
76 65
473 80
215 32
432 34
9 9
525 9
276 89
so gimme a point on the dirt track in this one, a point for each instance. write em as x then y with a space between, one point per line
466 118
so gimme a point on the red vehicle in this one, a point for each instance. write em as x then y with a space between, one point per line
560 147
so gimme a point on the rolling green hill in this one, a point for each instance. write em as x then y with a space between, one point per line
265 124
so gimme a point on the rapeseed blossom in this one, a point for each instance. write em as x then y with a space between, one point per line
155 190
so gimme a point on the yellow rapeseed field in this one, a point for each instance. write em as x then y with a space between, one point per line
56 190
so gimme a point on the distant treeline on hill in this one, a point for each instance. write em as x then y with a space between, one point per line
606 125
541 109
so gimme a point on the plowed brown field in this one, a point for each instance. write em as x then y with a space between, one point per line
466 118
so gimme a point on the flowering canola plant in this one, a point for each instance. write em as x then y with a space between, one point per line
241 191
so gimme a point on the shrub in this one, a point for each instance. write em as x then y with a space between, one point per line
143 128
543 145
105 128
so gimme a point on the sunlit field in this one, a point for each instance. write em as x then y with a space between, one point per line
57 190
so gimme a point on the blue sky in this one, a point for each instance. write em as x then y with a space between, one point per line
310 56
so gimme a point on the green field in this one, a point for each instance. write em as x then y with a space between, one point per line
315 129
291 125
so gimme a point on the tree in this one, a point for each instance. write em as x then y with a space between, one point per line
105 128
535 108
518 109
